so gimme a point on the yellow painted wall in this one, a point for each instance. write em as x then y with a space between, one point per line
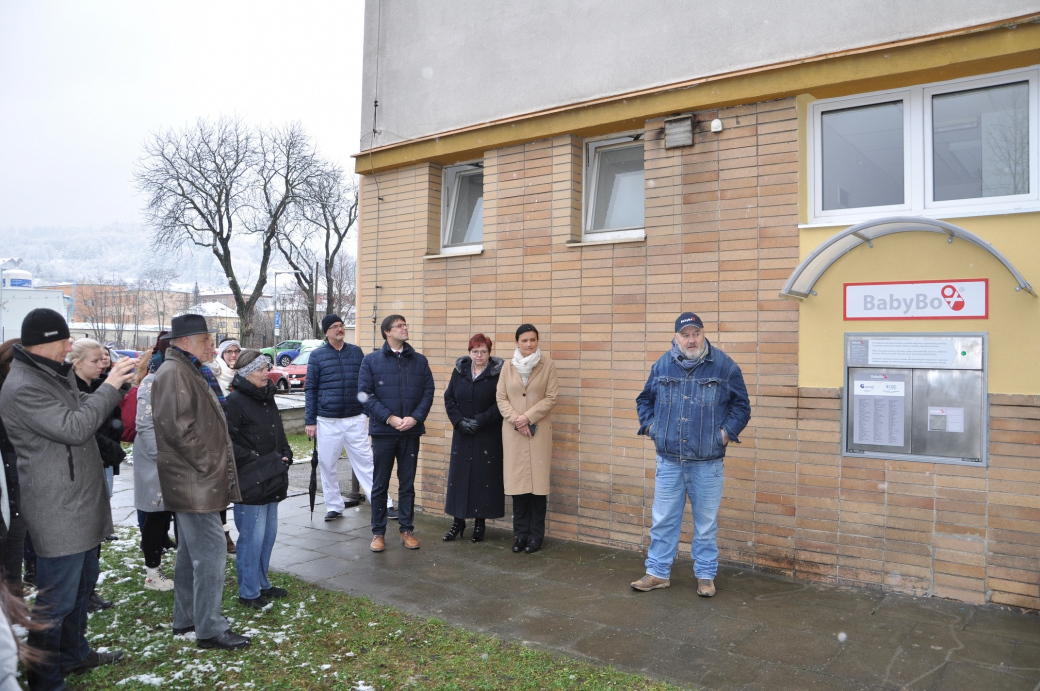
1013 324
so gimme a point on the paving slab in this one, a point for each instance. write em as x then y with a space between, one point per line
759 632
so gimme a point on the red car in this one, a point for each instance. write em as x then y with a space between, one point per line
296 371
279 377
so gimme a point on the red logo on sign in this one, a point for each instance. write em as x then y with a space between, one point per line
953 298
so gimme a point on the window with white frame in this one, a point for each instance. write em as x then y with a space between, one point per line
963 147
614 183
462 208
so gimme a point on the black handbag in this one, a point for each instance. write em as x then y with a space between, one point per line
264 480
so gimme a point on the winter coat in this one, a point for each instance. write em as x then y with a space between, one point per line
332 383
526 461
258 438
51 425
128 415
393 384
475 470
110 433
194 455
10 459
685 405
224 373
147 492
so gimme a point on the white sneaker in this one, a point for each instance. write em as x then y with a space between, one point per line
156 579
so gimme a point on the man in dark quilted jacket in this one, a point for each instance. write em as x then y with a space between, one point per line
396 388
334 414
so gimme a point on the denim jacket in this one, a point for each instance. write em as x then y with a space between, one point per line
685 405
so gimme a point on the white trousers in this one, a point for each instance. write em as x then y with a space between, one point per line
335 435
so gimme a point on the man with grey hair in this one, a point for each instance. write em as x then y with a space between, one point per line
693 405
198 478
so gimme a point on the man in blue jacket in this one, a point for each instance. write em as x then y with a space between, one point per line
693 405
335 415
396 387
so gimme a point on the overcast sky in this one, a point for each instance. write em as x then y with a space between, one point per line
83 82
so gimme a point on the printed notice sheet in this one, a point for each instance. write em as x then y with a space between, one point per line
879 406
945 419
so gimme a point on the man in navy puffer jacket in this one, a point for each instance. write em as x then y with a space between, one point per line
334 414
396 387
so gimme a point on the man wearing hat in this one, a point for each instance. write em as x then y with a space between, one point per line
64 499
335 415
693 405
198 478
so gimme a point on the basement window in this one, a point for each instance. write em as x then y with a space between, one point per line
614 177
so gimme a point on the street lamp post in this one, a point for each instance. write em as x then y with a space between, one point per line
277 318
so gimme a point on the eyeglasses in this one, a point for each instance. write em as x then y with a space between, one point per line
229 351
399 325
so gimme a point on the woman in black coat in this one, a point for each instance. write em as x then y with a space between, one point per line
475 471
262 457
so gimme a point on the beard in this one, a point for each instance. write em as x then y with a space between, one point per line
693 353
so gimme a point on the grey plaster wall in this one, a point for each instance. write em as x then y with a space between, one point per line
437 65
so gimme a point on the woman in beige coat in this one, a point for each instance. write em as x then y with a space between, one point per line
526 396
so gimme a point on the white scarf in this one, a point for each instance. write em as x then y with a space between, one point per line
524 365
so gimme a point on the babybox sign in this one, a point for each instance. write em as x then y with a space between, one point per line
968 299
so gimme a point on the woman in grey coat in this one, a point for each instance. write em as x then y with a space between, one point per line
147 493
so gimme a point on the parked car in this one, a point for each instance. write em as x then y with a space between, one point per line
280 379
273 352
297 370
287 356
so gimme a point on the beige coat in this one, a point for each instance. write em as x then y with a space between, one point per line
526 461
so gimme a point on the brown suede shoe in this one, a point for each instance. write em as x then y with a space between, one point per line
648 582
409 540
378 543
706 587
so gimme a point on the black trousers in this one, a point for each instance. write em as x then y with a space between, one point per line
153 532
529 516
14 550
385 450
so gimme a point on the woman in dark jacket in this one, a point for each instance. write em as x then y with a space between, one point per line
475 471
14 541
262 456
90 360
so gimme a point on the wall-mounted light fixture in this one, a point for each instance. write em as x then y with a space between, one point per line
716 125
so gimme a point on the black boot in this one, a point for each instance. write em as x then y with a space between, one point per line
458 527
478 530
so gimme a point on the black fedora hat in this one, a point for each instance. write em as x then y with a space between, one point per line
187 325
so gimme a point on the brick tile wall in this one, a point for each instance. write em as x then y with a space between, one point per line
722 237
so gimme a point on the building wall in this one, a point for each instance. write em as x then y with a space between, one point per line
437 67
722 237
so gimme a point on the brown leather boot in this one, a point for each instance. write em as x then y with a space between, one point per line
378 543
409 540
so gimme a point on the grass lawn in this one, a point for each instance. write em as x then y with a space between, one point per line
314 639
301 447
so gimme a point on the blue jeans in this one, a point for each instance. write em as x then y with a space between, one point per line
257 529
65 584
701 481
405 450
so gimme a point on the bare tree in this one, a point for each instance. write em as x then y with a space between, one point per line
344 277
212 181
156 284
95 310
325 216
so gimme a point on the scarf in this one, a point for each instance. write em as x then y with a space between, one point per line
207 373
689 363
524 365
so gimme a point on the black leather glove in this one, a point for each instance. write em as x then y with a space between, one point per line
468 426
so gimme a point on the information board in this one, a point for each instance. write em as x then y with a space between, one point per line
879 409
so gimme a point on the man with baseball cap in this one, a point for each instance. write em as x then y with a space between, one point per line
335 415
198 477
64 499
693 405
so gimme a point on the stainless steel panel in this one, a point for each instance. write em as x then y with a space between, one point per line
957 403
874 416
